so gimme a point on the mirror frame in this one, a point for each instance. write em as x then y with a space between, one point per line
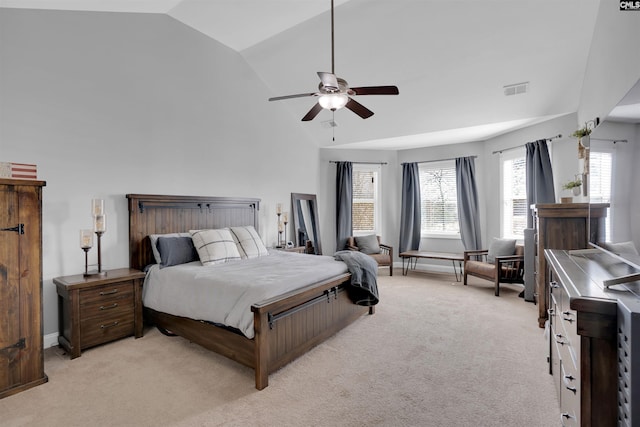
296 198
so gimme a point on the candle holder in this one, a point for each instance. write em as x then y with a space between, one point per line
279 213
285 220
86 238
100 272
86 242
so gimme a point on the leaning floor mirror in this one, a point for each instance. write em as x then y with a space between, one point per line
306 222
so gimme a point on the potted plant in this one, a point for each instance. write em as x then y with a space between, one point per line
583 138
574 186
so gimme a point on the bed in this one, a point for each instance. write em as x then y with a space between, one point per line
284 326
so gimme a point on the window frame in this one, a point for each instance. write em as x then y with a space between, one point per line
376 169
510 155
604 148
440 164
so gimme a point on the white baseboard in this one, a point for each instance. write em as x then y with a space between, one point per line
51 340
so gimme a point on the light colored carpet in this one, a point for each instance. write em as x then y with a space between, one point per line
436 353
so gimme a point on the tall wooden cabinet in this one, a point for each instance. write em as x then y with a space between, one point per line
563 226
21 333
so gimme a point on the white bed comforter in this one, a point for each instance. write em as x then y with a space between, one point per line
224 293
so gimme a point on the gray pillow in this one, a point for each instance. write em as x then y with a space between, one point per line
368 244
501 247
176 251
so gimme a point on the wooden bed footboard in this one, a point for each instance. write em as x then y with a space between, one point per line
286 327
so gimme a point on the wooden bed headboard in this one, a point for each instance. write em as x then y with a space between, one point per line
161 214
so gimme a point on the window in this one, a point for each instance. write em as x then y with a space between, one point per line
366 195
439 199
513 193
600 167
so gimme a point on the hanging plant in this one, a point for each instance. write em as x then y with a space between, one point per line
572 184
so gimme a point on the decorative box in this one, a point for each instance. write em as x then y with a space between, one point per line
18 170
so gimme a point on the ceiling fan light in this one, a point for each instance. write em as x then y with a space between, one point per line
333 101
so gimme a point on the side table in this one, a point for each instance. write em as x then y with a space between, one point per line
94 310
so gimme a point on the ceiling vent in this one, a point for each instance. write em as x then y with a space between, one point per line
516 89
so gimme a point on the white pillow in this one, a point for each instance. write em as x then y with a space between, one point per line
214 246
154 243
248 241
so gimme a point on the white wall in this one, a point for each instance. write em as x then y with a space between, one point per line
614 61
108 104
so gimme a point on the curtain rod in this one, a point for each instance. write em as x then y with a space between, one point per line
360 163
438 160
522 145
610 140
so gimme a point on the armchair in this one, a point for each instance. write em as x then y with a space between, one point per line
505 268
383 256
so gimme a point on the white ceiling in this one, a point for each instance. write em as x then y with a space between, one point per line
449 59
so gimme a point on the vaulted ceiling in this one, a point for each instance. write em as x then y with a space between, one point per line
450 59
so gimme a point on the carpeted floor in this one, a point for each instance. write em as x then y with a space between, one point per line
436 353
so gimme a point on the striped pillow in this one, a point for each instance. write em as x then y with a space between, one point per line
248 241
214 246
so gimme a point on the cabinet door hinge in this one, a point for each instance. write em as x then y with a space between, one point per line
20 344
18 229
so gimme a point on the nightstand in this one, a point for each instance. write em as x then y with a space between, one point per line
94 310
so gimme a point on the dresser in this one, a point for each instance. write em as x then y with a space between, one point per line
594 335
97 309
21 331
562 226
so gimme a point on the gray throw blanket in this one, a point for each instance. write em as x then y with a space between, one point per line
364 273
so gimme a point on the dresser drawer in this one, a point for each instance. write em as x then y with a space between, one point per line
109 309
569 396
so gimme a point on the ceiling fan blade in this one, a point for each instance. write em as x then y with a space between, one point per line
313 112
329 81
359 109
300 95
376 90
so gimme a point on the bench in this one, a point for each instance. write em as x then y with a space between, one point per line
414 255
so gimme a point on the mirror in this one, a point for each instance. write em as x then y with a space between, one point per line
305 220
619 135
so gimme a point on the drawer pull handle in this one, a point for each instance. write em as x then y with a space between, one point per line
559 339
115 291
573 389
554 285
109 326
570 377
106 307
568 319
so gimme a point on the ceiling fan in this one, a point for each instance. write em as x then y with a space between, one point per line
335 93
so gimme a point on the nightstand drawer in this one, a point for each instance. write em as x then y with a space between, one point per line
106 293
108 309
99 330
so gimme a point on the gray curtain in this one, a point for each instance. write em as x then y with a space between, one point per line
410 208
468 212
344 197
539 177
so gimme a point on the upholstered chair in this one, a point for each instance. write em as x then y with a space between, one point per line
503 262
370 245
